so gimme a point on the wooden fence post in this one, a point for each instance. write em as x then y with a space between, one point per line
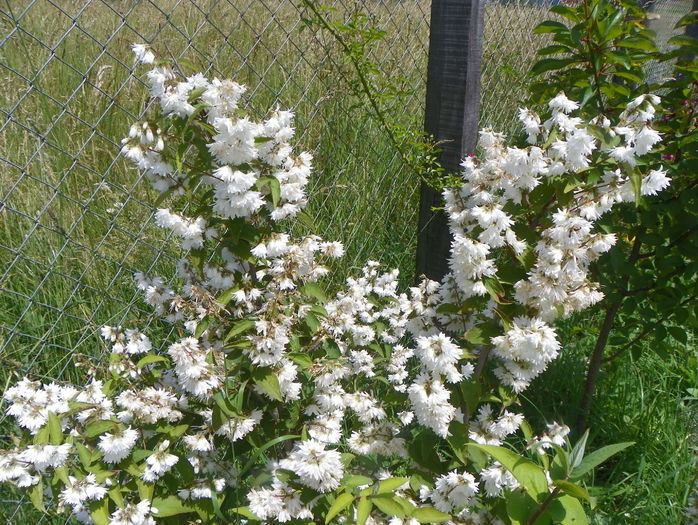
452 112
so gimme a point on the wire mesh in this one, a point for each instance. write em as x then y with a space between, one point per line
509 51
76 218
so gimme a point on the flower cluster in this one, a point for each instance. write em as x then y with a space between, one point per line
278 401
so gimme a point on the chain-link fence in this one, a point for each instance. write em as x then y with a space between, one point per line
75 218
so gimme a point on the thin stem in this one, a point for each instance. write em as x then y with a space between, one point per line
647 331
601 341
543 506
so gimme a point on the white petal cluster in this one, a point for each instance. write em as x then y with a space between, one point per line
454 491
139 514
317 467
118 445
525 350
31 402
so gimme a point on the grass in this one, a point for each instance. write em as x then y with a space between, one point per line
67 251
642 397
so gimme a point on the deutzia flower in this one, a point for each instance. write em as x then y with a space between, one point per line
143 53
117 446
318 468
159 462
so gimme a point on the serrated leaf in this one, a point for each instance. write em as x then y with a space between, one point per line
550 27
171 506
391 484
429 515
36 495
100 427
54 429
597 457
363 510
239 327
150 359
572 489
527 473
266 379
388 506
341 502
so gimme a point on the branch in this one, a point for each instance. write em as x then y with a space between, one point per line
646 331
543 506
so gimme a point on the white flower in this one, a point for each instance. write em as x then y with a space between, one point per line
159 462
117 446
143 53
134 514
562 103
318 468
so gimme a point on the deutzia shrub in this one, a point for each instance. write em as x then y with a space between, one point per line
276 402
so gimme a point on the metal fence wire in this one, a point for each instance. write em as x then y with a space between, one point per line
75 218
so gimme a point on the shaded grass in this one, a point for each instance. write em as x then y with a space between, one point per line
642 397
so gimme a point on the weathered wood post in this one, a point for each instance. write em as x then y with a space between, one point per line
452 112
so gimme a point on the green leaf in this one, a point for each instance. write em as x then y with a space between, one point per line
363 510
170 506
528 474
42 436
687 20
577 454
306 220
100 427
429 515
553 50
550 27
244 512
567 511
638 43
36 495
482 333
150 359
597 457
459 440
275 187
550 64
520 507
340 503
388 505
99 511
54 429
266 379
303 360
239 327
572 489
568 12
314 290
391 484
224 297
354 481
260 450
683 41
